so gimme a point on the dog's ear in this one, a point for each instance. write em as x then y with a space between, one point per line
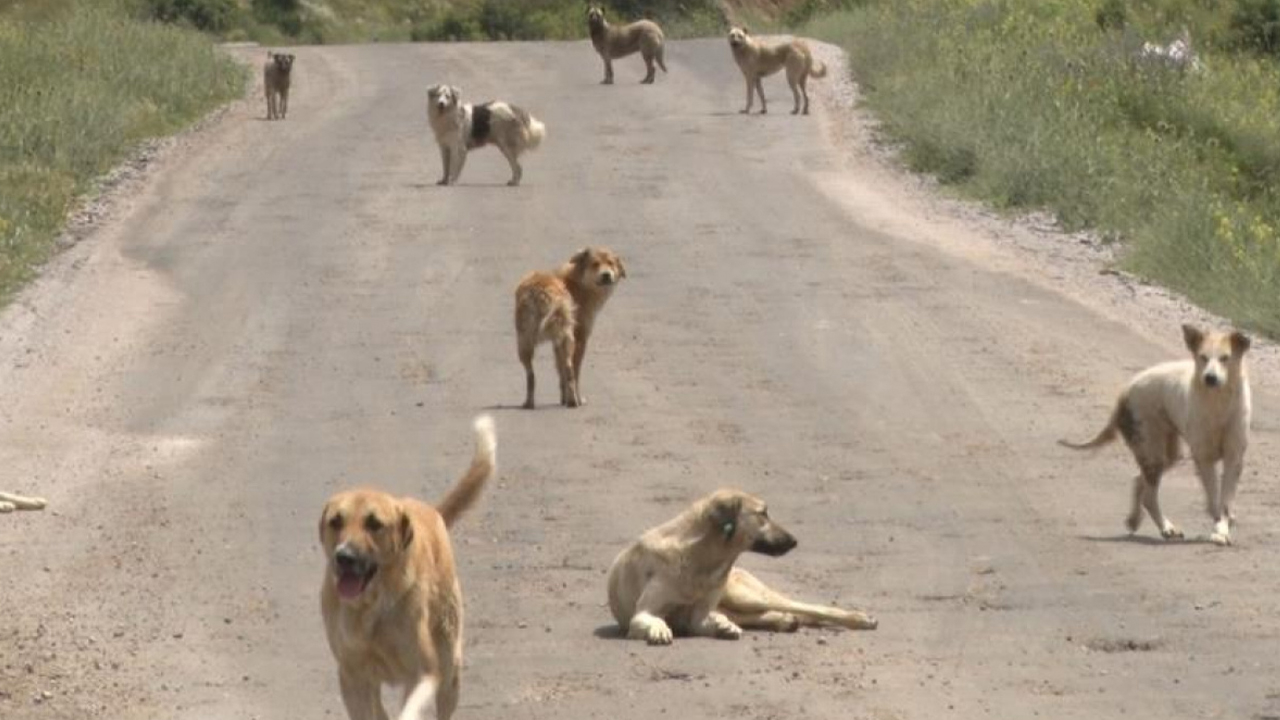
579 259
723 515
1193 337
324 520
622 269
1239 343
745 30
405 530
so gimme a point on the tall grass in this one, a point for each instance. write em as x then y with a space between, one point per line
77 92
1033 105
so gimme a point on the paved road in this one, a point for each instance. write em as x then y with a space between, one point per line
294 307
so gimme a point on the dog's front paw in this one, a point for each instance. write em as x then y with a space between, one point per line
513 183
659 634
1218 538
1171 532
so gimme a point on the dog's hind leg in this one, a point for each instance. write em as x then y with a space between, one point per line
579 352
1151 473
516 171
650 71
804 90
794 84
771 620
526 358
746 595
10 502
764 107
1134 520
564 364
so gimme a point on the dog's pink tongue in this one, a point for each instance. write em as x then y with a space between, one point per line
350 586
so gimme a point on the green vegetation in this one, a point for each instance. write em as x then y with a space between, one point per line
345 21
1047 105
80 88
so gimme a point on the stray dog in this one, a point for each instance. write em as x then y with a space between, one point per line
391 601
643 36
10 502
1204 400
560 307
679 577
276 74
460 126
757 60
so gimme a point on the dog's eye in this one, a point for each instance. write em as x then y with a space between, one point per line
335 522
764 512
373 524
1224 358
1204 358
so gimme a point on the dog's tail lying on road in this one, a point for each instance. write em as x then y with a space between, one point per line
10 502
464 494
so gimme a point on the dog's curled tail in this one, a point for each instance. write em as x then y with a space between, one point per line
536 131
1106 435
818 69
467 490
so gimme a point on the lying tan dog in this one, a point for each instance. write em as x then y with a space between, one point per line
560 307
643 36
391 601
757 60
1205 401
679 577
277 74
10 502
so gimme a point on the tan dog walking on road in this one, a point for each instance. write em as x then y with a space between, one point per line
560 307
277 75
391 601
757 60
1205 401
642 36
679 577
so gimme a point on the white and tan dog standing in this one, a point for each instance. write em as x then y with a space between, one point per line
757 60
679 577
391 601
459 127
613 42
1205 401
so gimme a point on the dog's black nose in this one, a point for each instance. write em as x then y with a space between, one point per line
1211 380
346 558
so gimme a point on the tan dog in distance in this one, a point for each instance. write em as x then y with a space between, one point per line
643 36
10 502
277 74
1204 400
560 307
391 601
679 578
757 60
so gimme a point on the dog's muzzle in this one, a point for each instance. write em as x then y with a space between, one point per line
774 546
606 278
1212 380
354 571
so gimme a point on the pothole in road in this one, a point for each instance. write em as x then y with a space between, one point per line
1122 645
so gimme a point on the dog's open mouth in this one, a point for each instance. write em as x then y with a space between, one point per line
353 580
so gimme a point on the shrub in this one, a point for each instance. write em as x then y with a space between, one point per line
215 16
1255 25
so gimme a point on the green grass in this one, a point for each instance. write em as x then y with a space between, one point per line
79 90
1033 105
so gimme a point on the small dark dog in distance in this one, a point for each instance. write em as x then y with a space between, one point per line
276 74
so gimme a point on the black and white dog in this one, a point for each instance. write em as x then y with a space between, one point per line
460 126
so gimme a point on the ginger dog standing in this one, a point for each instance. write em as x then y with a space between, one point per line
560 307
1205 401
391 601
757 60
